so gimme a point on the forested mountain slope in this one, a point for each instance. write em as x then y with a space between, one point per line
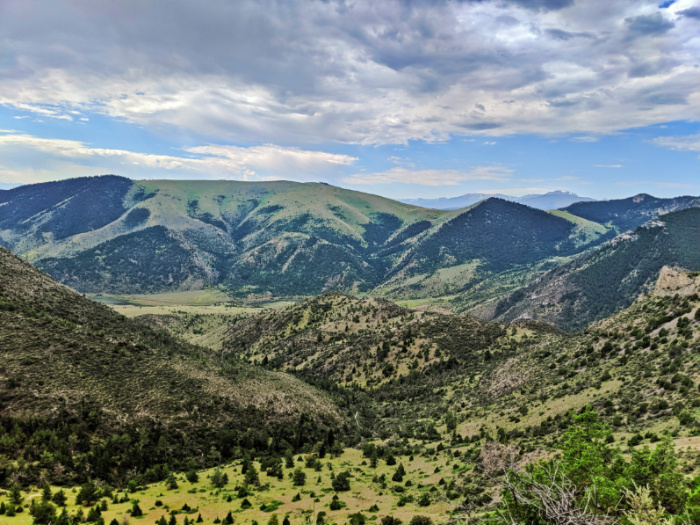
627 214
609 278
73 372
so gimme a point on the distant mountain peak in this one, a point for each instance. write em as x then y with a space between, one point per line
641 197
543 201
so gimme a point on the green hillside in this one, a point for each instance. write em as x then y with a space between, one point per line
112 235
437 378
84 388
412 364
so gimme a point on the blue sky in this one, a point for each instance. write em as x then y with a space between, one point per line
401 98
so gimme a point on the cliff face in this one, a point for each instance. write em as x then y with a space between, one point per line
673 281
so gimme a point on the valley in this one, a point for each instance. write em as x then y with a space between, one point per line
481 338
348 262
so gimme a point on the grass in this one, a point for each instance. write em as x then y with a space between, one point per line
277 497
206 297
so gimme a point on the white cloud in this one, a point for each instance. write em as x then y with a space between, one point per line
607 166
58 156
430 177
584 138
363 72
679 143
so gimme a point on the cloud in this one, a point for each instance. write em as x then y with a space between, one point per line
360 72
607 165
692 12
43 155
679 143
645 25
430 177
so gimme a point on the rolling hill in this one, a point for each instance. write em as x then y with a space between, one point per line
404 366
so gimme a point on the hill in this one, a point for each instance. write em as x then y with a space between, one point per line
627 214
413 364
609 278
262 240
110 234
91 391
546 201
440 401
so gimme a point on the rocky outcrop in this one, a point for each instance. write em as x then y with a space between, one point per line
674 281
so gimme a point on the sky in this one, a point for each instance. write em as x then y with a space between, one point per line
405 99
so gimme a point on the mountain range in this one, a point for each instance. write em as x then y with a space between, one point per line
545 201
283 239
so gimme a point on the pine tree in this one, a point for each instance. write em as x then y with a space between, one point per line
251 476
136 511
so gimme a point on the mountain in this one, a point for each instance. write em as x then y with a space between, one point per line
73 373
546 201
284 239
627 214
552 200
111 234
610 277
8 185
454 203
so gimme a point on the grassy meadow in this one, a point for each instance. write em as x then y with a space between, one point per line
367 495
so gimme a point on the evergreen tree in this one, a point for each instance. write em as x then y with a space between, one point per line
251 476
93 514
46 492
136 511
171 482
299 478
192 476
43 512
16 495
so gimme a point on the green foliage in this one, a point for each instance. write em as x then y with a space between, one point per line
86 340
593 478
299 478
341 482
43 512
171 482
219 479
